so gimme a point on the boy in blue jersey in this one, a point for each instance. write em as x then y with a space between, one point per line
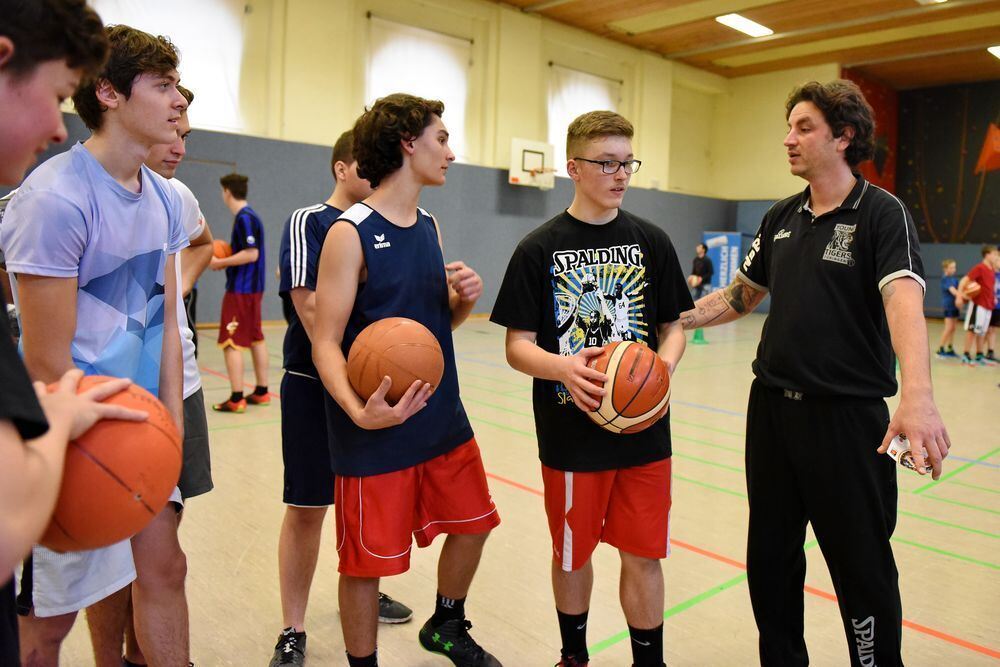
91 239
309 479
949 290
414 467
239 327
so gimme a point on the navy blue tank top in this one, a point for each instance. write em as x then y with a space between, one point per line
406 278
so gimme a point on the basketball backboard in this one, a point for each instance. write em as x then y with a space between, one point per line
531 164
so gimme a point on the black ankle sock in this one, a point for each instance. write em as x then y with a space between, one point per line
447 609
128 663
367 661
236 396
647 646
260 390
573 631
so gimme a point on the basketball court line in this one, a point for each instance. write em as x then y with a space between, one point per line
918 545
949 475
812 590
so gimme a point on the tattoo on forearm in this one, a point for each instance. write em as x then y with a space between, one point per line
710 309
739 295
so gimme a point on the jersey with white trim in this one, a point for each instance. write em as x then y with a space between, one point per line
298 260
405 278
827 333
194 226
248 232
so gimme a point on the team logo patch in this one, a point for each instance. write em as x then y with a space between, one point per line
839 248
782 234
380 242
251 240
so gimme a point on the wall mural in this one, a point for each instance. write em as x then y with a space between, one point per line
949 161
881 169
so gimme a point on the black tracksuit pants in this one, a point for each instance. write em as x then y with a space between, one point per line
814 460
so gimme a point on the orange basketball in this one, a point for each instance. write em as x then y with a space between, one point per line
221 249
971 290
401 348
117 476
638 387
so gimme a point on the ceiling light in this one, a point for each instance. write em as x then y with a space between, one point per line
744 25
995 50
930 2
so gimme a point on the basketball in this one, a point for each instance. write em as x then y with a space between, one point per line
971 290
638 387
401 348
117 476
694 281
221 249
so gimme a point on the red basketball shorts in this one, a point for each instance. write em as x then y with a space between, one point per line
627 508
377 515
239 325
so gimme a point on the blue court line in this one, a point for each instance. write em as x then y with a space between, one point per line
977 462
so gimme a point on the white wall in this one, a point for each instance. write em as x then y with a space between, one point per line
696 132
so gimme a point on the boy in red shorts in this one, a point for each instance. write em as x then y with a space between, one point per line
980 312
413 468
599 486
239 326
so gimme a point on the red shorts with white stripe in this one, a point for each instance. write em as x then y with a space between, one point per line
376 515
628 508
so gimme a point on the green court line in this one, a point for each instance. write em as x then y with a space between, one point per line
954 472
710 486
673 611
977 487
674 420
948 524
229 427
959 504
709 463
950 554
502 427
706 443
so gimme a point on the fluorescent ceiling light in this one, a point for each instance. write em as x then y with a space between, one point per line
744 25
995 50
930 2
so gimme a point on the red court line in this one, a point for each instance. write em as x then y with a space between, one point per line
951 639
226 377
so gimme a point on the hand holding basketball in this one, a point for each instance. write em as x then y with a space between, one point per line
579 378
83 410
377 413
466 282
920 420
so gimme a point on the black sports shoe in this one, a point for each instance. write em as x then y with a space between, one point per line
290 649
451 639
392 611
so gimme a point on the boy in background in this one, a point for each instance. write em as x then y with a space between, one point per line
949 290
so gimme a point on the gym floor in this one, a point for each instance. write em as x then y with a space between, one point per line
945 542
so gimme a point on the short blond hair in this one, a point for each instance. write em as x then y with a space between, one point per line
945 263
595 125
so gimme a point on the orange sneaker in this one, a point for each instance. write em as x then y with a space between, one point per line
231 406
258 399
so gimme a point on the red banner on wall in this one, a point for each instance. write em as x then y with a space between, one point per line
880 170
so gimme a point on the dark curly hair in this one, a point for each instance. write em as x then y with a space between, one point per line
377 133
843 105
44 30
133 52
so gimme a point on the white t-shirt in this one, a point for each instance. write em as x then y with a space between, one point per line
194 224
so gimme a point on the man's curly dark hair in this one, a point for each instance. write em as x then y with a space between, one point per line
843 105
44 30
380 129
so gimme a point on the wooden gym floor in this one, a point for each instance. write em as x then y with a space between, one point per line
945 543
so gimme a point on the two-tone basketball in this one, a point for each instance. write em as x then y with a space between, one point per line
637 391
401 348
117 476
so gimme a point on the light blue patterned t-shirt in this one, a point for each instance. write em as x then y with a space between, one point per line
69 219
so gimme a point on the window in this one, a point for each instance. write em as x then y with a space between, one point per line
404 59
209 36
571 93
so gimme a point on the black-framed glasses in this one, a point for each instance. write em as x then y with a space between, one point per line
612 166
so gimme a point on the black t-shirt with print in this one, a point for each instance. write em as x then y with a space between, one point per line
826 333
581 285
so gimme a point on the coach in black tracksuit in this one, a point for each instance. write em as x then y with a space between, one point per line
841 263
